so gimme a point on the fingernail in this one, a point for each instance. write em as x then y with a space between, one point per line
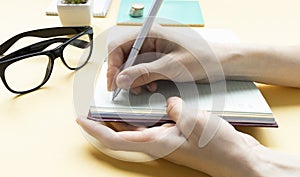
78 120
151 87
124 81
136 91
172 98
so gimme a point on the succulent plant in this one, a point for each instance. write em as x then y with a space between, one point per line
74 1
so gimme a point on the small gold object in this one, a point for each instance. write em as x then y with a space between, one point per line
136 10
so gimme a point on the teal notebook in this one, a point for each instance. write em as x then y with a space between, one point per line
171 13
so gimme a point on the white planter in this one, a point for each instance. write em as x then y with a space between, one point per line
75 14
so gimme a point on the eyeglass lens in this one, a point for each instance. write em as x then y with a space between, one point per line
76 53
27 74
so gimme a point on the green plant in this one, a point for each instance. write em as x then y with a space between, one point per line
74 1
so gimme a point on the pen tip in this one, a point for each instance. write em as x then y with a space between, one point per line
113 97
115 93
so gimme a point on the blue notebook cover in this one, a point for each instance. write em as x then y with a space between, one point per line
171 13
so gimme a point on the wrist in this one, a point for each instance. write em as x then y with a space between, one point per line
231 58
244 158
271 163
241 62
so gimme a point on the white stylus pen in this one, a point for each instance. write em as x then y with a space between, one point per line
138 43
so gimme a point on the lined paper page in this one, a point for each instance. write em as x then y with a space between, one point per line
238 96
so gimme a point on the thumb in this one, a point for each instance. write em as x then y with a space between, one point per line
186 118
174 108
178 111
198 126
139 75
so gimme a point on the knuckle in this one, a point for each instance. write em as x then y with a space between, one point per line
112 45
145 78
144 74
172 109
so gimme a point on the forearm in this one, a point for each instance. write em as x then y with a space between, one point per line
247 159
270 163
278 65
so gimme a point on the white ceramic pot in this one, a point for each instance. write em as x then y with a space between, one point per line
75 14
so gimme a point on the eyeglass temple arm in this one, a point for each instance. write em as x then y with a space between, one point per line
43 33
40 46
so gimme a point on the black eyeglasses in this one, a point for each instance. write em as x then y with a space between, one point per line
29 68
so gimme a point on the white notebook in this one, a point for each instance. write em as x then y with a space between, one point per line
243 105
100 8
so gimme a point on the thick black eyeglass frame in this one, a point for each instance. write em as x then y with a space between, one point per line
37 49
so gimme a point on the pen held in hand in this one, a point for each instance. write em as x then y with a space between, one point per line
138 43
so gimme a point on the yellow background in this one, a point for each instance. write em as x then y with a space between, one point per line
38 132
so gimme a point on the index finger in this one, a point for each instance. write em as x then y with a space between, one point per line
120 46
117 54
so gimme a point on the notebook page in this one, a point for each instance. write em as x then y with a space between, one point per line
239 96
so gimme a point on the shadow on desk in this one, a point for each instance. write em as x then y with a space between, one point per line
277 96
157 168
285 104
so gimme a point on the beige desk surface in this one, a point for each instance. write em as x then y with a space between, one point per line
38 132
